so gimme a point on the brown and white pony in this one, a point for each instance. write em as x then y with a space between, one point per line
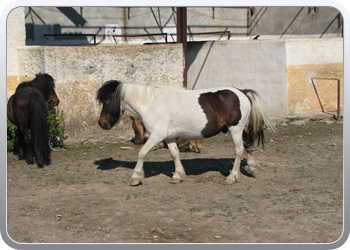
169 112
182 143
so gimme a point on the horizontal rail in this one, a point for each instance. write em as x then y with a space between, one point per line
165 35
94 35
209 33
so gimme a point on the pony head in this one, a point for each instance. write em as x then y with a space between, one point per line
109 96
46 84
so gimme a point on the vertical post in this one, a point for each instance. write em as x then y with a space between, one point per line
181 28
338 100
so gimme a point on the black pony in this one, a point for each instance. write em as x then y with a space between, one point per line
27 109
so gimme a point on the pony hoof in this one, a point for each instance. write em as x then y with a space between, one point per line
229 182
254 173
30 161
176 181
135 182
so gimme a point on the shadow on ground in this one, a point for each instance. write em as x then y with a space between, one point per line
192 166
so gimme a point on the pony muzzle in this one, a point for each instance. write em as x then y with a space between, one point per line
105 125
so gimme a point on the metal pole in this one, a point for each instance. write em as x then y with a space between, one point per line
182 36
338 93
338 101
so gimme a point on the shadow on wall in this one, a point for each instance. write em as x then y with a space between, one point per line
51 34
193 50
73 15
42 34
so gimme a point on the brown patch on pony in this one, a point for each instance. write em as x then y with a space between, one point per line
139 130
221 109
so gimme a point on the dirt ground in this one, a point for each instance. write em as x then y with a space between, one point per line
84 196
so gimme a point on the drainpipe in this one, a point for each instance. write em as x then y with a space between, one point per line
181 29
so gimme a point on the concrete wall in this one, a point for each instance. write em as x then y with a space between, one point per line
241 22
295 22
259 65
80 71
15 37
279 70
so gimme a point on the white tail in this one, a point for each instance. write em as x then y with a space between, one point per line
258 117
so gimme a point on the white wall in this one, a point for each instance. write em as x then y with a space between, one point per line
258 65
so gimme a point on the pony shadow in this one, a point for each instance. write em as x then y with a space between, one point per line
191 166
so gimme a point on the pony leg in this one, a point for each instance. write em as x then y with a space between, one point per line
28 141
138 172
175 154
21 146
252 164
239 150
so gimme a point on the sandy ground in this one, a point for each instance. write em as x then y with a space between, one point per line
84 196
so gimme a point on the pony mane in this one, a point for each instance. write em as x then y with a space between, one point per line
43 82
139 94
107 88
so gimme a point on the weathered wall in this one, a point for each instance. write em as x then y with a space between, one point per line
313 58
80 71
279 70
15 37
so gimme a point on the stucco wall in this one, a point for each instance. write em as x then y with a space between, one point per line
80 71
279 70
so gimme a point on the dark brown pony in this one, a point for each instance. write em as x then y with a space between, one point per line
28 109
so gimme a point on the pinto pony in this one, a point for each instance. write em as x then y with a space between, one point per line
183 144
169 112
27 109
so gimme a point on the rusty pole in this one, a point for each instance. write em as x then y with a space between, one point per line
181 29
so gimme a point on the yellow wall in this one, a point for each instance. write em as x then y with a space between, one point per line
12 83
302 98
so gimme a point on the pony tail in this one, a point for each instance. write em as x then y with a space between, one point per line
39 130
257 118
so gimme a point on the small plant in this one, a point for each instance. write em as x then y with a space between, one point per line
56 131
56 127
12 136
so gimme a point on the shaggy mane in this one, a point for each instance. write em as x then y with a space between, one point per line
107 88
139 94
43 82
